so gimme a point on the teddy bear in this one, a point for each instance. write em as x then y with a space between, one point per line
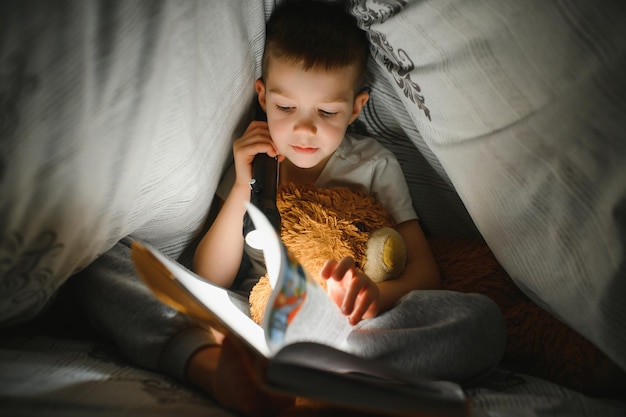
330 223
319 224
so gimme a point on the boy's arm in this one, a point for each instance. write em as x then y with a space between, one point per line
421 271
218 255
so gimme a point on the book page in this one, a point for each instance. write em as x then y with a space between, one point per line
298 309
160 273
289 294
318 320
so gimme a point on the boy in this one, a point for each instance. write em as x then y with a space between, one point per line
313 67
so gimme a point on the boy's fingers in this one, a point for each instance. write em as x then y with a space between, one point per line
362 304
256 124
254 146
337 269
350 298
342 268
328 268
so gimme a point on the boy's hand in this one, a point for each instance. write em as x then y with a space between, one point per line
256 139
356 295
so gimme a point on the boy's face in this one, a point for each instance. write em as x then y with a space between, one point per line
308 112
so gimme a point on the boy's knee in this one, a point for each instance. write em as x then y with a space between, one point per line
475 314
490 326
489 314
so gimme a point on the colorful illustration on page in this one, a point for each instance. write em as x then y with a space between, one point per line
289 300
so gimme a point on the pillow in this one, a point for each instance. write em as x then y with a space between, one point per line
441 212
522 105
117 120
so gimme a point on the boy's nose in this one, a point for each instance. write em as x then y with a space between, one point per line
305 125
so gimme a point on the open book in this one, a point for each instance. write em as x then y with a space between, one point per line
302 335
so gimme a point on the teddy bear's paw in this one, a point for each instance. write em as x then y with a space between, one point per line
385 255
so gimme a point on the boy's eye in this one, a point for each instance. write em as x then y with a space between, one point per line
284 108
325 113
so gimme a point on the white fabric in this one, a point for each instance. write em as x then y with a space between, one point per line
119 119
365 164
522 104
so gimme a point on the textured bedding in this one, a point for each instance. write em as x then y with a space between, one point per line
118 117
67 377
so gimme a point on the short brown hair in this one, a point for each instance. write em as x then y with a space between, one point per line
317 35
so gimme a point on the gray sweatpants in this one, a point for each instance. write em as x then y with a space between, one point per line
439 334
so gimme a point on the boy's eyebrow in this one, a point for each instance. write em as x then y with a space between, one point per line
338 99
276 91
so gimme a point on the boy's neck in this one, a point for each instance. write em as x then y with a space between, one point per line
290 173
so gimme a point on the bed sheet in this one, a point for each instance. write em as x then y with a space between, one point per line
67 377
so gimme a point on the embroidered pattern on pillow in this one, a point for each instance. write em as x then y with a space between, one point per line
397 63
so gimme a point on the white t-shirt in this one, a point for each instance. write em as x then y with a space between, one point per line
363 163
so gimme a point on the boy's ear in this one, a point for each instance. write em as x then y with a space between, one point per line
359 103
259 86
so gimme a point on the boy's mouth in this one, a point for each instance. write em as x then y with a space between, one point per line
304 149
